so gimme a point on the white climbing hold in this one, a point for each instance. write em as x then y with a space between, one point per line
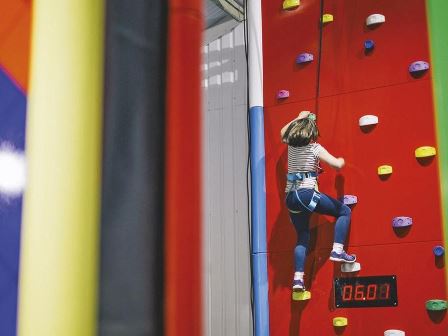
12 171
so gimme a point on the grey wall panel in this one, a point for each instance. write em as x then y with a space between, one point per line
227 309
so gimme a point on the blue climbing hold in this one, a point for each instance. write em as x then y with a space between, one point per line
438 251
369 44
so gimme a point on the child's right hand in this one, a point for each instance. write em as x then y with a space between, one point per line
303 115
341 162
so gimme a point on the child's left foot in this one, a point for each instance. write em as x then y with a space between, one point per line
298 285
342 257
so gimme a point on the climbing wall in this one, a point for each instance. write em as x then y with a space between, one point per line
14 54
353 80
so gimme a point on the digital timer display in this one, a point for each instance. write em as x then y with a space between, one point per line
360 292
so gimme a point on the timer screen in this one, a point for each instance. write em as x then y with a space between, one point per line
360 292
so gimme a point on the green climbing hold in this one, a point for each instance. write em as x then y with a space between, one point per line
436 305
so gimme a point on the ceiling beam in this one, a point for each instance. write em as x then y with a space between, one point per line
231 7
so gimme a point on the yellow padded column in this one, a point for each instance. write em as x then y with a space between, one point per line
60 230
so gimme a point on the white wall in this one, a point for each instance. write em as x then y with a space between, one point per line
227 308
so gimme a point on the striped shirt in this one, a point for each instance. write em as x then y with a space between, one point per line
304 159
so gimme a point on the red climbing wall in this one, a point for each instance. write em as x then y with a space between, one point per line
15 20
354 83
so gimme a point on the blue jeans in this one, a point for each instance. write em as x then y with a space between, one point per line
298 200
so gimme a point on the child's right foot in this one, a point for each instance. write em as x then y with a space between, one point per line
342 257
298 285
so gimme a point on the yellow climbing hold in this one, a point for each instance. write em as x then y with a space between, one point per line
301 295
327 18
425 151
384 170
291 4
340 322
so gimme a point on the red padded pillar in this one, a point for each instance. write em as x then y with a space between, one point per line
183 309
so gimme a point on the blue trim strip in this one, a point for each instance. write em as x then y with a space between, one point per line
258 216
261 300
258 183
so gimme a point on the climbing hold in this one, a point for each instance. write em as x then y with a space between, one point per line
369 44
340 322
375 19
350 267
394 332
304 57
350 199
401 221
312 116
327 18
425 151
436 305
301 295
438 250
282 94
368 120
384 170
291 4
418 66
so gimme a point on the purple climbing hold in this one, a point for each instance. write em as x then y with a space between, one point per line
401 221
304 57
282 94
350 199
418 66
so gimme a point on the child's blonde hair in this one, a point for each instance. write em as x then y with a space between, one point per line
301 132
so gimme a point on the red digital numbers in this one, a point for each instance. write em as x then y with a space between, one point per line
347 291
359 293
369 293
384 291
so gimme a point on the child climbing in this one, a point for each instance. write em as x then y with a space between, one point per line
302 198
